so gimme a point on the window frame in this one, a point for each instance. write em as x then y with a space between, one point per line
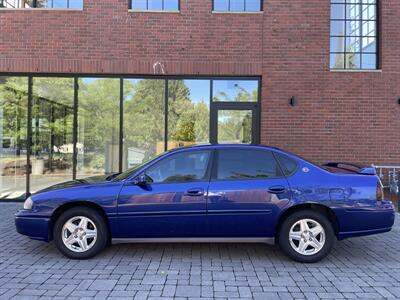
207 174
361 20
130 7
214 171
35 7
238 11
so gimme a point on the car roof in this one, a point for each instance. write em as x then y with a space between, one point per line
221 146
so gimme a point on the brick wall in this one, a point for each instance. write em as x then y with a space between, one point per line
340 115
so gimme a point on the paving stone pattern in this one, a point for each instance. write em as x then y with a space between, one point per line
367 268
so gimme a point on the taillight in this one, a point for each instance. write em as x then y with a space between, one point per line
379 191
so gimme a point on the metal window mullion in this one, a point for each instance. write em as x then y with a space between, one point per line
121 124
29 137
244 5
166 114
345 35
361 33
75 130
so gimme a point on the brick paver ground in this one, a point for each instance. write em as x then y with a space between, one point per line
367 267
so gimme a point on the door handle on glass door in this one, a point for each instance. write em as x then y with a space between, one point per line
194 192
277 189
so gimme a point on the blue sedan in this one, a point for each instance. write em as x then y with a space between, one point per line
213 193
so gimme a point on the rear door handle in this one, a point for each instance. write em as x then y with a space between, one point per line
278 189
194 192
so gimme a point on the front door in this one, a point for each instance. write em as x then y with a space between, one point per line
172 203
247 188
234 123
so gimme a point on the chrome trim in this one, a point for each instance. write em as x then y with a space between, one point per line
263 240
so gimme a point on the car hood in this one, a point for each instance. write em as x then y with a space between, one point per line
79 182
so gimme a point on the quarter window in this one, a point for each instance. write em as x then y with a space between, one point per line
237 5
180 167
353 34
288 165
155 5
246 164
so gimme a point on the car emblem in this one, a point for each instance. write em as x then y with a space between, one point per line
306 170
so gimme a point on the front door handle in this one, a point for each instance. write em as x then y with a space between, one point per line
278 189
194 192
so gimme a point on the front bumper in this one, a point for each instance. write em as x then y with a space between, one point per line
360 222
34 227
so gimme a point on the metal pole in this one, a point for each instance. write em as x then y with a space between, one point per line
398 190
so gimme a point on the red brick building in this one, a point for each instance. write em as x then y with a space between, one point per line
309 100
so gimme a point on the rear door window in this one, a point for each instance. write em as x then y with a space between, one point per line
233 164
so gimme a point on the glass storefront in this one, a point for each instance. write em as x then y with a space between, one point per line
52 117
55 129
13 136
98 126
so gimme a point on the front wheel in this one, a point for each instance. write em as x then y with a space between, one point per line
306 236
80 233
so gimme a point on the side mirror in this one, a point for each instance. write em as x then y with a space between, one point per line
140 180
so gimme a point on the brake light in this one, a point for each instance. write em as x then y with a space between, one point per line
379 191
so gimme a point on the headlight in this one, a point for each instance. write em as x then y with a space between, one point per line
28 203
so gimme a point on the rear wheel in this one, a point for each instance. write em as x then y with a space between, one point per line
80 233
306 236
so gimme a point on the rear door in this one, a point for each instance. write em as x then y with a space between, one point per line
247 188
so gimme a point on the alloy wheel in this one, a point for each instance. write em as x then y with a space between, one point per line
307 237
79 234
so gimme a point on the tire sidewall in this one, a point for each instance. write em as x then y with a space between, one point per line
97 219
283 238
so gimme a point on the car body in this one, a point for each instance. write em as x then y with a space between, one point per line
213 193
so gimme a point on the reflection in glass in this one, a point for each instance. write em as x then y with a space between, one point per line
144 121
98 126
60 3
237 5
52 130
352 61
235 90
353 34
13 138
234 126
156 5
337 44
337 61
15 3
188 112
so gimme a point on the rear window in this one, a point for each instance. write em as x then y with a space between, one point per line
246 164
289 166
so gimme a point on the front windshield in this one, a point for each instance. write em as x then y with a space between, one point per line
132 170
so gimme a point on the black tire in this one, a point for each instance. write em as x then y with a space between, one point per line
102 232
285 245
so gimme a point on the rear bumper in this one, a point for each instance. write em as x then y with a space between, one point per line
36 228
360 222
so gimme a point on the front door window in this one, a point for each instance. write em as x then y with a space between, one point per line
181 167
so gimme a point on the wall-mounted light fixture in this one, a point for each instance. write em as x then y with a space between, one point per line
293 101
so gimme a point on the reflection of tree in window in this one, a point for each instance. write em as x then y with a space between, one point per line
188 120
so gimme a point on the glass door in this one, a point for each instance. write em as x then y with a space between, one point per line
234 123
